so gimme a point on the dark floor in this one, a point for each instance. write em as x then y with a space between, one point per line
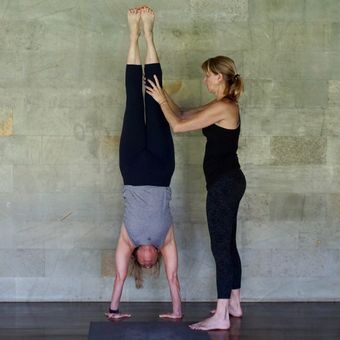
260 320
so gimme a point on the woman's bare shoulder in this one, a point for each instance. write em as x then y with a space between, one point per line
231 114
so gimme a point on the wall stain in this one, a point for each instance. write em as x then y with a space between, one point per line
79 132
6 123
173 86
108 267
109 146
177 33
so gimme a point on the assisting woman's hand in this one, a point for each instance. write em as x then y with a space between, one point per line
155 90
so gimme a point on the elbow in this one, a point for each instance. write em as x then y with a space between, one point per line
120 277
173 279
176 128
179 125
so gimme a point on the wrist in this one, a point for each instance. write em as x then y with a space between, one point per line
114 311
177 313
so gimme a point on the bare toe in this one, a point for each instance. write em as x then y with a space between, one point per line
148 18
134 16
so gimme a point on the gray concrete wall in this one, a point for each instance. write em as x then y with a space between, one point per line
61 107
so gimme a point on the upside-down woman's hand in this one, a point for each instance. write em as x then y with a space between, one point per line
171 316
155 91
117 316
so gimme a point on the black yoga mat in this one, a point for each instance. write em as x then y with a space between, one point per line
154 330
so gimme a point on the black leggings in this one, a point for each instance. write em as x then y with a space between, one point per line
223 200
146 152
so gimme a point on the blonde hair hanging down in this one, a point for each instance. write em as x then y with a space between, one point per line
226 66
136 270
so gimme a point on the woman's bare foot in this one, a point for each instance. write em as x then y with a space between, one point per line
134 15
148 19
234 305
214 322
234 311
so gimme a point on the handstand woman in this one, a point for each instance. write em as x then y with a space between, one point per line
147 164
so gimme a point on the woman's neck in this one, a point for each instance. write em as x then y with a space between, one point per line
220 93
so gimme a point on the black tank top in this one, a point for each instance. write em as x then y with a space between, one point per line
220 152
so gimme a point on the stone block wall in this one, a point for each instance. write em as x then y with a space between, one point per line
61 106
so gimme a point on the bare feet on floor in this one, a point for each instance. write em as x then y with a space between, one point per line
234 311
211 323
234 305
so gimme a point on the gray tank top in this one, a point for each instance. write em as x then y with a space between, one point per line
147 215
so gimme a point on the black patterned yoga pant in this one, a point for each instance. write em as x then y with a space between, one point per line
223 199
146 152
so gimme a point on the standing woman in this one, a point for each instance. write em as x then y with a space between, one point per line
147 163
226 184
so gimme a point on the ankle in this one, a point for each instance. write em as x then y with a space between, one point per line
134 38
148 36
134 34
222 316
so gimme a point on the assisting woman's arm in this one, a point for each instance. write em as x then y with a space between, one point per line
209 114
170 259
174 107
180 112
